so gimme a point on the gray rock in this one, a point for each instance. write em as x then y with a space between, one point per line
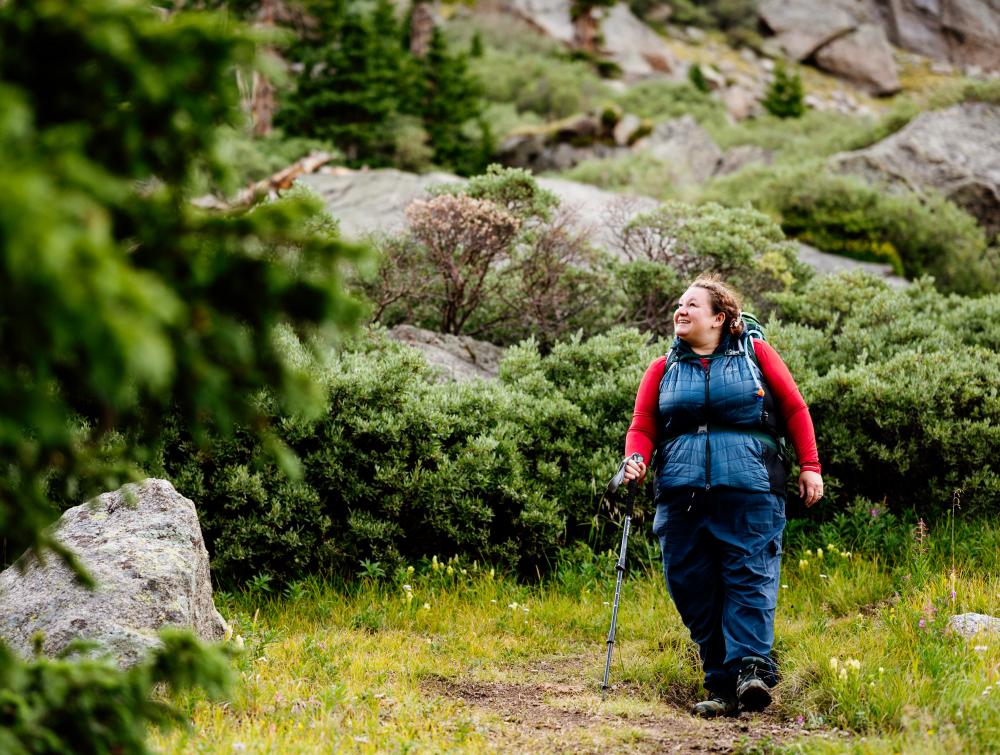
803 26
715 79
828 264
637 49
685 147
864 57
143 546
963 32
738 157
626 129
373 201
551 17
954 151
968 625
523 150
458 358
740 103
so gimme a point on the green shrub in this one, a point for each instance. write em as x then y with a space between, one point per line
549 86
919 235
401 466
785 96
660 100
740 244
634 173
901 386
697 78
59 705
816 134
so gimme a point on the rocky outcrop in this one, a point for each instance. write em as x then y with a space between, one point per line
844 37
626 40
685 148
962 32
633 46
829 264
143 546
954 151
864 57
373 201
804 26
562 144
457 358
682 145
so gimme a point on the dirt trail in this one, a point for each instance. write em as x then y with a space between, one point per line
551 709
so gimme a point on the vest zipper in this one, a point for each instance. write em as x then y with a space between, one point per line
708 447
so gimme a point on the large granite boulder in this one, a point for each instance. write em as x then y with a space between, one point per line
687 150
963 32
457 358
955 151
864 57
825 263
143 546
373 201
803 26
626 40
637 49
845 37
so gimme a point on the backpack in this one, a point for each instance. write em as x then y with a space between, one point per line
752 329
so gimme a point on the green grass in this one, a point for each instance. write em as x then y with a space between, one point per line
375 667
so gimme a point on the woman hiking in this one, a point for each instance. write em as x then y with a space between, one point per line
713 409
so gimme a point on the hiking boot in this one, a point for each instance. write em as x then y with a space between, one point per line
752 691
716 706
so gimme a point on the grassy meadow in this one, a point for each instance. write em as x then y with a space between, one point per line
452 656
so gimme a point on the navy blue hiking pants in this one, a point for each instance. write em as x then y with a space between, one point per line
722 562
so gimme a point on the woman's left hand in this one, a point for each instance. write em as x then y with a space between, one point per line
810 487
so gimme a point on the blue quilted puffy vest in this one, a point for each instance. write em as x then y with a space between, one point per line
714 429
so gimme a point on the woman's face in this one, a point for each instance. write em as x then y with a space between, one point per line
694 320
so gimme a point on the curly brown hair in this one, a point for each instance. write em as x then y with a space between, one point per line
724 299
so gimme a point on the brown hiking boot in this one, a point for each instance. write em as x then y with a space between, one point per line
716 706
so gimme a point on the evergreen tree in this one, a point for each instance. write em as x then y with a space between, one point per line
361 88
697 78
353 84
450 106
122 305
785 97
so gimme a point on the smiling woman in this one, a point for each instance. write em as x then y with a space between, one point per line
713 409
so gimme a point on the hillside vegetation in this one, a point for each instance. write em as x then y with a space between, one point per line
392 548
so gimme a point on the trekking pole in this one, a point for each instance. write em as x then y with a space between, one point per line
620 566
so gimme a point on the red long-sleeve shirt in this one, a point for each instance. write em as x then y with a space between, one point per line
641 437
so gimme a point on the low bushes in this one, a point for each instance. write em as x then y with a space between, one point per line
663 100
902 386
497 258
401 466
837 213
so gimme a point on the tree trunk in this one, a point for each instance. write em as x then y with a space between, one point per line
421 27
585 31
263 102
